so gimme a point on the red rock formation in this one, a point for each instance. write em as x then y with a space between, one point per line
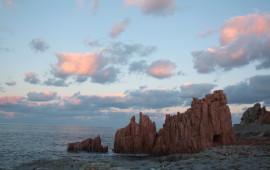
255 114
136 138
264 117
206 124
88 145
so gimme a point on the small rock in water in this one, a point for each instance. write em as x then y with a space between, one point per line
88 145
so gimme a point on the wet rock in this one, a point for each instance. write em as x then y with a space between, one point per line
88 145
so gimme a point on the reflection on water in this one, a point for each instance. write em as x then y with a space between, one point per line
26 143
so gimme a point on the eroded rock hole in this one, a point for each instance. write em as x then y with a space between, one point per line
217 139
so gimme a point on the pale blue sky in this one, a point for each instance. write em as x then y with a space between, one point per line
174 35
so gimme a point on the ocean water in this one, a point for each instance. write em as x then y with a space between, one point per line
26 143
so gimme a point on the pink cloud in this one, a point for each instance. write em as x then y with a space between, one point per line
31 78
253 24
156 7
161 69
94 5
78 64
10 99
71 100
9 3
243 39
119 28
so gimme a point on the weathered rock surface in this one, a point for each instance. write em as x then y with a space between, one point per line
88 145
206 124
136 138
256 115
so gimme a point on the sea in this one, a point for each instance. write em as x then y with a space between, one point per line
23 143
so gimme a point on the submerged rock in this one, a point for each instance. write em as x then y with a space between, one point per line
255 114
88 145
206 124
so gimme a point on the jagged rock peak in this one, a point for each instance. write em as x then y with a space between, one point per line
136 137
207 123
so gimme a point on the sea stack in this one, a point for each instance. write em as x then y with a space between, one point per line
88 145
206 124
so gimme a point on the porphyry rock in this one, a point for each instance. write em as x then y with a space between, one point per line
136 137
206 124
255 114
88 145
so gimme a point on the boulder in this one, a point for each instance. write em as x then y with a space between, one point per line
206 124
256 115
88 145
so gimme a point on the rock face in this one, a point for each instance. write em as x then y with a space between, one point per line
255 114
206 124
136 138
88 145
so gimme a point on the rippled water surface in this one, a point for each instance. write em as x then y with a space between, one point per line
25 143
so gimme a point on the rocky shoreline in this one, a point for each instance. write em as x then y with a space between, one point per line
187 139
221 157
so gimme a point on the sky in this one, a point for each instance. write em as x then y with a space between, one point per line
98 62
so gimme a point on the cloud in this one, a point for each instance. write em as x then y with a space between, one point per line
9 3
81 79
153 99
253 90
138 67
122 52
119 28
42 96
161 69
87 64
181 73
154 7
56 82
101 66
38 45
142 98
11 83
189 90
1 88
83 66
7 114
106 76
206 33
243 40
10 100
31 78
93 43
50 106
94 6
